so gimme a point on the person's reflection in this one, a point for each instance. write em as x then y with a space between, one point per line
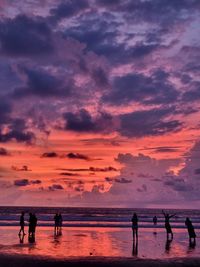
191 247
21 239
57 240
135 248
168 245
31 239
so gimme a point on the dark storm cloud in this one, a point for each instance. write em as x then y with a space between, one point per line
163 149
178 184
25 36
165 12
106 169
49 155
21 182
5 109
100 77
24 168
25 182
54 187
122 180
26 137
3 152
101 36
153 89
77 156
133 124
93 31
69 174
108 3
90 169
68 8
17 130
79 122
155 7
35 181
192 94
82 121
43 84
148 122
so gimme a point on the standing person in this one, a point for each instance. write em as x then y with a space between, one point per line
167 224
34 221
191 231
135 226
60 222
21 223
56 223
30 227
155 220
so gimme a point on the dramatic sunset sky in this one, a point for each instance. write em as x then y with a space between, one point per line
100 103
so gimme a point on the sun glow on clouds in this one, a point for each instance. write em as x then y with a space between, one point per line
95 108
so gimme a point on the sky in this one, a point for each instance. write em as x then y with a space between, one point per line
100 103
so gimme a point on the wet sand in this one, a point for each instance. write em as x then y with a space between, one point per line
30 261
97 247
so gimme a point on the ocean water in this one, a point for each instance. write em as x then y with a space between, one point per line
98 217
98 232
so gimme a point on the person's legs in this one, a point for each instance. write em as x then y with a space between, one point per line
136 233
20 230
172 236
133 234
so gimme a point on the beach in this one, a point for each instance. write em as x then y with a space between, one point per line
97 237
81 246
22 261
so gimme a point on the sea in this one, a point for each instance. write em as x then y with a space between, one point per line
98 217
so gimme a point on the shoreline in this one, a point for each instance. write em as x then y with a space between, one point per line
11 260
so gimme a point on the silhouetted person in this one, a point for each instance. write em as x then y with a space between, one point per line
56 224
135 226
155 220
32 224
167 224
155 223
22 224
34 218
191 232
60 223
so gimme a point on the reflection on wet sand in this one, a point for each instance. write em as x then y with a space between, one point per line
82 241
135 248
168 246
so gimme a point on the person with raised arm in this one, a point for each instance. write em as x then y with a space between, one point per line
167 224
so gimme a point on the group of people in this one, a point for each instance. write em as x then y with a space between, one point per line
33 223
188 224
58 226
